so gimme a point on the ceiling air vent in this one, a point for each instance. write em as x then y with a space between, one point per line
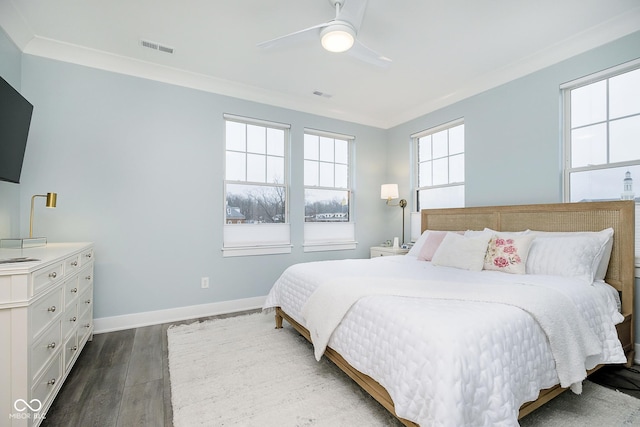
322 94
156 46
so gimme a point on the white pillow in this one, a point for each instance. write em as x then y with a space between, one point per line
415 249
463 252
602 258
419 244
509 233
476 233
568 254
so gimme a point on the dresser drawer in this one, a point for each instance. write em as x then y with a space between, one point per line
42 278
86 257
44 386
45 348
69 320
85 320
71 264
71 291
85 301
46 310
85 279
70 350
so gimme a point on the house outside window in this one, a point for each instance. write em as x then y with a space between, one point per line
439 166
602 137
255 187
328 191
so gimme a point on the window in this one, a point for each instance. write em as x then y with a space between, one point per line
327 191
439 166
255 187
602 136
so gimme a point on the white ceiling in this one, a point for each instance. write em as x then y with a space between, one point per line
442 50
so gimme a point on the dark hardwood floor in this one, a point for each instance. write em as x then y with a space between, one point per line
626 380
121 379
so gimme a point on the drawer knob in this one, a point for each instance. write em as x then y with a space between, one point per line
73 319
52 381
88 301
53 274
52 309
88 325
74 348
88 255
74 263
74 290
87 278
52 345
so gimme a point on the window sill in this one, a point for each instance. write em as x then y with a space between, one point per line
329 246
256 250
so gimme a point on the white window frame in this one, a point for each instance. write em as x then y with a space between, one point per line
566 89
257 239
323 236
415 214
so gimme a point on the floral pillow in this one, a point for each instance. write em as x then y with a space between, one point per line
508 253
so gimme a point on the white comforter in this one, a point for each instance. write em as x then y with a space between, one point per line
449 362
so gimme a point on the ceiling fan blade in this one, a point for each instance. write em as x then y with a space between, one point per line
363 53
353 12
308 34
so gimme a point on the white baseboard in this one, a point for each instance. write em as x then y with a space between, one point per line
136 320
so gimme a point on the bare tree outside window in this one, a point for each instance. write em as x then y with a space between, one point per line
256 204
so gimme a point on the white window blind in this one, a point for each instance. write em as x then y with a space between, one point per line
328 191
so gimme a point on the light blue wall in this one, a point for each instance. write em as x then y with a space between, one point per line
138 168
513 135
10 70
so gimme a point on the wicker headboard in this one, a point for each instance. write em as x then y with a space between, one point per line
591 216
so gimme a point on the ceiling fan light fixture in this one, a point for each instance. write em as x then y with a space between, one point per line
338 37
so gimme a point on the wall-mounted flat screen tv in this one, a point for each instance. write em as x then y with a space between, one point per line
15 118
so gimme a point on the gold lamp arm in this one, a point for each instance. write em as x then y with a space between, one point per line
52 199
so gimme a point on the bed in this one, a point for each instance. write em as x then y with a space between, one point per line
432 357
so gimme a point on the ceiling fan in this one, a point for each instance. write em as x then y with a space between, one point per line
337 35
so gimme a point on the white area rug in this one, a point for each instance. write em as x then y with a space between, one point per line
240 371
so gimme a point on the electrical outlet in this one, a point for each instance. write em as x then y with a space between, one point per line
204 282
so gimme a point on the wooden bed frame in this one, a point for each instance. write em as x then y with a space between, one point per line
591 216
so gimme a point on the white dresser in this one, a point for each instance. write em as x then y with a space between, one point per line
46 318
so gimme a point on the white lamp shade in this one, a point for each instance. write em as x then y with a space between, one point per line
389 191
337 38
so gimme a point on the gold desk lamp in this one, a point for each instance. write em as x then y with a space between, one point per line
31 242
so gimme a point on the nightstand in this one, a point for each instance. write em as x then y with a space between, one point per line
377 251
